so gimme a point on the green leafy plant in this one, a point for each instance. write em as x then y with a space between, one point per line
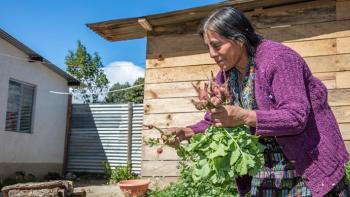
347 172
19 177
187 187
222 154
107 170
119 173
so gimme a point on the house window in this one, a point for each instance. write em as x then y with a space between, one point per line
19 107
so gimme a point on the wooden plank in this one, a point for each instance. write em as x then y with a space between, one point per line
330 84
343 45
345 131
309 12
343 79
342 8
339 97
150 154
314 47
159 168
173 119
185 60
325 63
180 74
174 45
171 105
336 97
347 144
343 62
180 105
342 113
185 27
325 76
328 79
315 31
150 133
329 63
170 90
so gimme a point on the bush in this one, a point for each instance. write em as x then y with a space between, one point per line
107 170
119 173
19 177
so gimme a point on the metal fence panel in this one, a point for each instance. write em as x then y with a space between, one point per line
99 132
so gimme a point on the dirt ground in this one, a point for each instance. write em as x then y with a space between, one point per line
97 188
103 191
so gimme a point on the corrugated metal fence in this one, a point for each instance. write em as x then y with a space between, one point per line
99 132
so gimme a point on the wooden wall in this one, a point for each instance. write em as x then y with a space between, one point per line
319 31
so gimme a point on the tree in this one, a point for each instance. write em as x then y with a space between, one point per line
134 94
117 96
88 70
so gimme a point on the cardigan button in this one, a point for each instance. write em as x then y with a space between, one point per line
292 161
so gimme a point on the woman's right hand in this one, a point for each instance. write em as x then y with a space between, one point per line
181 133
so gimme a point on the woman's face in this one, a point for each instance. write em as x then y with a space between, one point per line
226 53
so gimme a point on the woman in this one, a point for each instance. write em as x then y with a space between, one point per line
275 93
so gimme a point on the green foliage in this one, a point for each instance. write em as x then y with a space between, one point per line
134 95
107 170
186 187
19 177
8 181
213 160
347 172
119 173
222 154
118 96
87 69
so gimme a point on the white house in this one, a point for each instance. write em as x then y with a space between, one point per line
32 120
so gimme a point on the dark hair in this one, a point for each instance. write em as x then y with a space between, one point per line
234 25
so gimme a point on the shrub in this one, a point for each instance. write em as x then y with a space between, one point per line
19 177
119 173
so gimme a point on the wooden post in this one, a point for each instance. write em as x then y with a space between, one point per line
130 116
67 134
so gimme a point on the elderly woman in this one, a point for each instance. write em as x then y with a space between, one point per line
275 93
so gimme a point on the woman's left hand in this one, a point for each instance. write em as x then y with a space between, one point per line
231 116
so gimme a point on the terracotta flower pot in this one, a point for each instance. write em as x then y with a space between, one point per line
134 187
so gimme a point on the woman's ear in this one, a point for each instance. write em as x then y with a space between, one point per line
240 42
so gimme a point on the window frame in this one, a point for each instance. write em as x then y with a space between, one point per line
20 106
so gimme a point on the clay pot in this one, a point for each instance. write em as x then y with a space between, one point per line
134 187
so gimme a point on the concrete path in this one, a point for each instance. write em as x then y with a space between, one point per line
103 191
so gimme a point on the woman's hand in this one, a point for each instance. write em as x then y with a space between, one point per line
181 133
231 116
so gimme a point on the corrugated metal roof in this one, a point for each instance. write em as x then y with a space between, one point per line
32 55
130 28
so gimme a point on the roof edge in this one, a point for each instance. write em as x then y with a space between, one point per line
35 57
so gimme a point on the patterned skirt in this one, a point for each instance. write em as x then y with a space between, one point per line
279 178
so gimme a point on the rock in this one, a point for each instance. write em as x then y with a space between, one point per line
52 188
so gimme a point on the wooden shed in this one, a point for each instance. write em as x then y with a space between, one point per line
176 56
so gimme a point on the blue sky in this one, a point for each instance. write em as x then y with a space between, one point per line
51 28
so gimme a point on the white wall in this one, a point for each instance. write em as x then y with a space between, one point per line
46 142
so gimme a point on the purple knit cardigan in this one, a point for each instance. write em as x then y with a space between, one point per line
292 106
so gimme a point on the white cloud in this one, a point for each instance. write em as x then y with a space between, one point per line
123 71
